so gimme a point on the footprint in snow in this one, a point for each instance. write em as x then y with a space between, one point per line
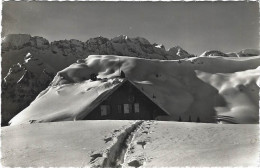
95 156
145 132
143 143
131 149
116 130
108 139
135 163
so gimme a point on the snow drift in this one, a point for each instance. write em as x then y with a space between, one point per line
205 88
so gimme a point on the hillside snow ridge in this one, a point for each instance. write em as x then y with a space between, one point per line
191 88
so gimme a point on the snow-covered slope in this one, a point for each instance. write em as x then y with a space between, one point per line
22 53
23 83
239 90
60 144
118 143
248 52
243 53
168 144
213 53
202 87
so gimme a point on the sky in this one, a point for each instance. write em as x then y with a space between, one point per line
194 26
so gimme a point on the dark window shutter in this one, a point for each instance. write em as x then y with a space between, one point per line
119 108
131 108
108 109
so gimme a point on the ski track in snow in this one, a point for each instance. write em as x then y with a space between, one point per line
138 161
122 144
114 155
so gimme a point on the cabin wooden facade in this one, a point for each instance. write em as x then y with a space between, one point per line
126 102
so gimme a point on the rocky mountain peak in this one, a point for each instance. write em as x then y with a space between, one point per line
97 40
214 53
19 41
177 50
120 39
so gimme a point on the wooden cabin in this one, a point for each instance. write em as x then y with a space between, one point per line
126 102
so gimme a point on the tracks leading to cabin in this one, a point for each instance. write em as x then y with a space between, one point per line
120 142
116 153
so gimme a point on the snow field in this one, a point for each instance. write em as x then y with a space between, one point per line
130 144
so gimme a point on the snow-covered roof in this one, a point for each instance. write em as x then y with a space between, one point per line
95 92
100 99
106 94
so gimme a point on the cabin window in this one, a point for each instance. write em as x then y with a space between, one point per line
136 105
105 109
126 108
119 108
